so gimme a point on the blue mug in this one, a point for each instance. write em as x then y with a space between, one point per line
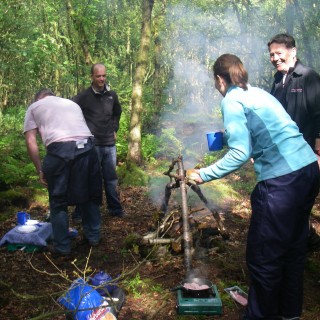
215 140
22 217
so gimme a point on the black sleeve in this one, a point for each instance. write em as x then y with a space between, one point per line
312 87
117 110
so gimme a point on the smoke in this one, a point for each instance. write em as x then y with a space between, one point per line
192 42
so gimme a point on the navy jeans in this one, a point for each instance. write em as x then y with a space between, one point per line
73 176
108 160
91 221
277 243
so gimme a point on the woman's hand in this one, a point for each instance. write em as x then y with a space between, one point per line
194 174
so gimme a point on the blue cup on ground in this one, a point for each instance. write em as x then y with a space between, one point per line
22 217
215 140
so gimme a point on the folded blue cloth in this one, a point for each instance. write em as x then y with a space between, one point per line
38 238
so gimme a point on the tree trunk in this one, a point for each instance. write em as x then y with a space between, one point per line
158 72
305 33
134 148
80 29
289 15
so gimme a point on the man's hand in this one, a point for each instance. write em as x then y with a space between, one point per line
33 151
42 179
194 174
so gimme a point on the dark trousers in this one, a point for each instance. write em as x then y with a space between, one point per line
108 160
73 176
277 243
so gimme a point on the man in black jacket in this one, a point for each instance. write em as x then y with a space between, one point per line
297 87
102 111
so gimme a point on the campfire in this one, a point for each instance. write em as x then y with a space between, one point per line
170 223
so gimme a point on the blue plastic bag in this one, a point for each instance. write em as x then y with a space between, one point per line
83 297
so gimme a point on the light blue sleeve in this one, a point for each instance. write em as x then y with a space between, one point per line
238 139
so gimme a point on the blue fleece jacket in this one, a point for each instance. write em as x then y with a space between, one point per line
257 126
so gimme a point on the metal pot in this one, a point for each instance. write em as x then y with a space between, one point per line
187 284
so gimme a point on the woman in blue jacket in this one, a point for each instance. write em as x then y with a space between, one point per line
257 127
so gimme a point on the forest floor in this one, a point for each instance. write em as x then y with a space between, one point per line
30 283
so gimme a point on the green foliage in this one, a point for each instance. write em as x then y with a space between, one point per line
157 288
150 142
15 166
242 179
122 137
135 285
131 241
46 44
5 215
169 145
132 175
13 173
211 157
19 197
150 146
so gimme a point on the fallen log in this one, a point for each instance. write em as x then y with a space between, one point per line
157 241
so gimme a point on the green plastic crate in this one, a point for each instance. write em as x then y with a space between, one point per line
27 247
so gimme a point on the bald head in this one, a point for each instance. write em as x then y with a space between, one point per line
96 66
98 76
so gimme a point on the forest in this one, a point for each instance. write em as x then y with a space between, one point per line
158 56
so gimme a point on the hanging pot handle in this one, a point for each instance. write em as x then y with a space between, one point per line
176 288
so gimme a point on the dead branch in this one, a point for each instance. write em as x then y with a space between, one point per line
158 241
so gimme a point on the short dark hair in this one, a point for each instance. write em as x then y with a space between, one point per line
94 66
42 93
283 38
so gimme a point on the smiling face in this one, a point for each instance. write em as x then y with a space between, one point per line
282 57
99 77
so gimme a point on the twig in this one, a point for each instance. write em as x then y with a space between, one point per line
60 273
86 268
159 276
134 258
158 241
51 315
22 296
